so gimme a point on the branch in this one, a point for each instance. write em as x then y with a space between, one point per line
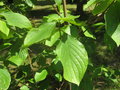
55 8
64 8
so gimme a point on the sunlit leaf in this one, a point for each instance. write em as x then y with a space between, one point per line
87 33
89 3
29 3
74 59
39 76
16 60
5 79
16 19
24 88
58 76
58 2
19 58
43 32
53 39
1 3
3 28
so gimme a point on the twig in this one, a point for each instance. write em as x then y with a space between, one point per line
64 8
55 8
8 8
30 62
70 87
60 88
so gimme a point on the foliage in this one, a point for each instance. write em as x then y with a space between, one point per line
59 49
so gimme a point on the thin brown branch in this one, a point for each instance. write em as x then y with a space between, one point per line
60 88
55 8
64 8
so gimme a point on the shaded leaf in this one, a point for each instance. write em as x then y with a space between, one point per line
86 83
109 42
102 5
113 22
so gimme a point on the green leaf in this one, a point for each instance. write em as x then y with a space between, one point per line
66 29
4 46
74 59
3 28
89 3
1 3
59 77
53 39
52 17
58 2
20 57
109 42
39 76
74 31
102 6
112 18
16 60
71 19
16 19
5 79
43 32
24 88
3 36
29 3
23 53
87 33
86 83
